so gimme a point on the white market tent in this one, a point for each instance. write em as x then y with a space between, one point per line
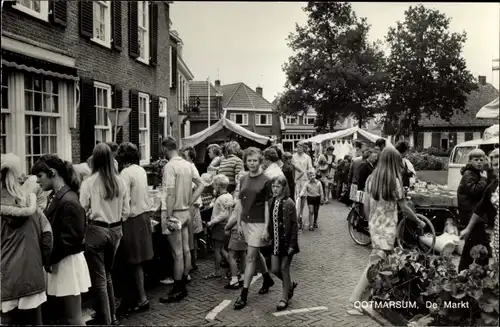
344 133
199 137
489 111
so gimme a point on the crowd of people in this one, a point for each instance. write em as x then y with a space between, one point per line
63 226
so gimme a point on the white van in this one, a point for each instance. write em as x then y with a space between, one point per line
460 156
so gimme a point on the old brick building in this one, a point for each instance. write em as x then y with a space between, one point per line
65 62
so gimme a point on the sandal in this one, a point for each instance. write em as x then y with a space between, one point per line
142 307
240 303
213 276
282 305
235 286
355 311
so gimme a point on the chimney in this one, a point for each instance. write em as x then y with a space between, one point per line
482 80
217 83
258 89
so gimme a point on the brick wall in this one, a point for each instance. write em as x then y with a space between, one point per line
100 63
262 130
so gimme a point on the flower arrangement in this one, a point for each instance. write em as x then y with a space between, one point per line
155 172
468 298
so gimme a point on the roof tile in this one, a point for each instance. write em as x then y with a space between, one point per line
239 95
477 99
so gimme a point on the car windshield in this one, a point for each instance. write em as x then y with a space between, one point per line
461 154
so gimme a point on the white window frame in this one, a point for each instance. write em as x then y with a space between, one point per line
6 117
147 129
19 114
43 14
109 126
107 23
143 57
306 120
288 120
165 127
171 71
244 118
269 120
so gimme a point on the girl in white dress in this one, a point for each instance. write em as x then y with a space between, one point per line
68 274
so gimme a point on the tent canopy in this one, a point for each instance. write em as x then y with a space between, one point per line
197 138
489 111
344 133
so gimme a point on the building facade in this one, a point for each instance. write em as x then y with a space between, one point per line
298 128
179 84
249 109
65 64
463 126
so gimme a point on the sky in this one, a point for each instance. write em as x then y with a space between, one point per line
247 41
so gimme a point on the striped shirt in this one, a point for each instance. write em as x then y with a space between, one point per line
231 167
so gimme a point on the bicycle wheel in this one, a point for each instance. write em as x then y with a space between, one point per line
408 234
353 221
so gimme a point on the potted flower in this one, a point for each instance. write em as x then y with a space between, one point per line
155 172
468 298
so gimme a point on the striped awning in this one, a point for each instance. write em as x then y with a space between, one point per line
37 66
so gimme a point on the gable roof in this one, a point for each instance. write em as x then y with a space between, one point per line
239 95
200 89
476 100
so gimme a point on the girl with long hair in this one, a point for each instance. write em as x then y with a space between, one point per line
26 240
137 241
284 235
383 195
105 197
68 275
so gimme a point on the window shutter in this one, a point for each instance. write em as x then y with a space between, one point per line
118 103
59 12
116 15
174 68
87 118
154 125
86 18
153 34
133 25
133 118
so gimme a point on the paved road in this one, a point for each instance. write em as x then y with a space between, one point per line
327 269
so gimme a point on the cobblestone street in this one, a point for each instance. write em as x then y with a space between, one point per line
326 269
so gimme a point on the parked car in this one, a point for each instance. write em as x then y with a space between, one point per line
460 156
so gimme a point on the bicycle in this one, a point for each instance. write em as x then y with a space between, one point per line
407 232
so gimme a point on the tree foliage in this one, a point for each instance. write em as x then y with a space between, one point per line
334 69
428 75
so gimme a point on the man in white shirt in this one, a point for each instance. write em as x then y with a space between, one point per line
178 176
302 164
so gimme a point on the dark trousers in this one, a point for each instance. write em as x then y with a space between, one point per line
314 201
477 236
102 244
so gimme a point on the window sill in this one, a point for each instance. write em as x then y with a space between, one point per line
144 162
101 43
263 125
143 61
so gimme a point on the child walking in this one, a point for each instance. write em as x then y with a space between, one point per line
222 209
237 246
283 231
313 191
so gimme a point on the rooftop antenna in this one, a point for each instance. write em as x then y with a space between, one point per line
218 76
